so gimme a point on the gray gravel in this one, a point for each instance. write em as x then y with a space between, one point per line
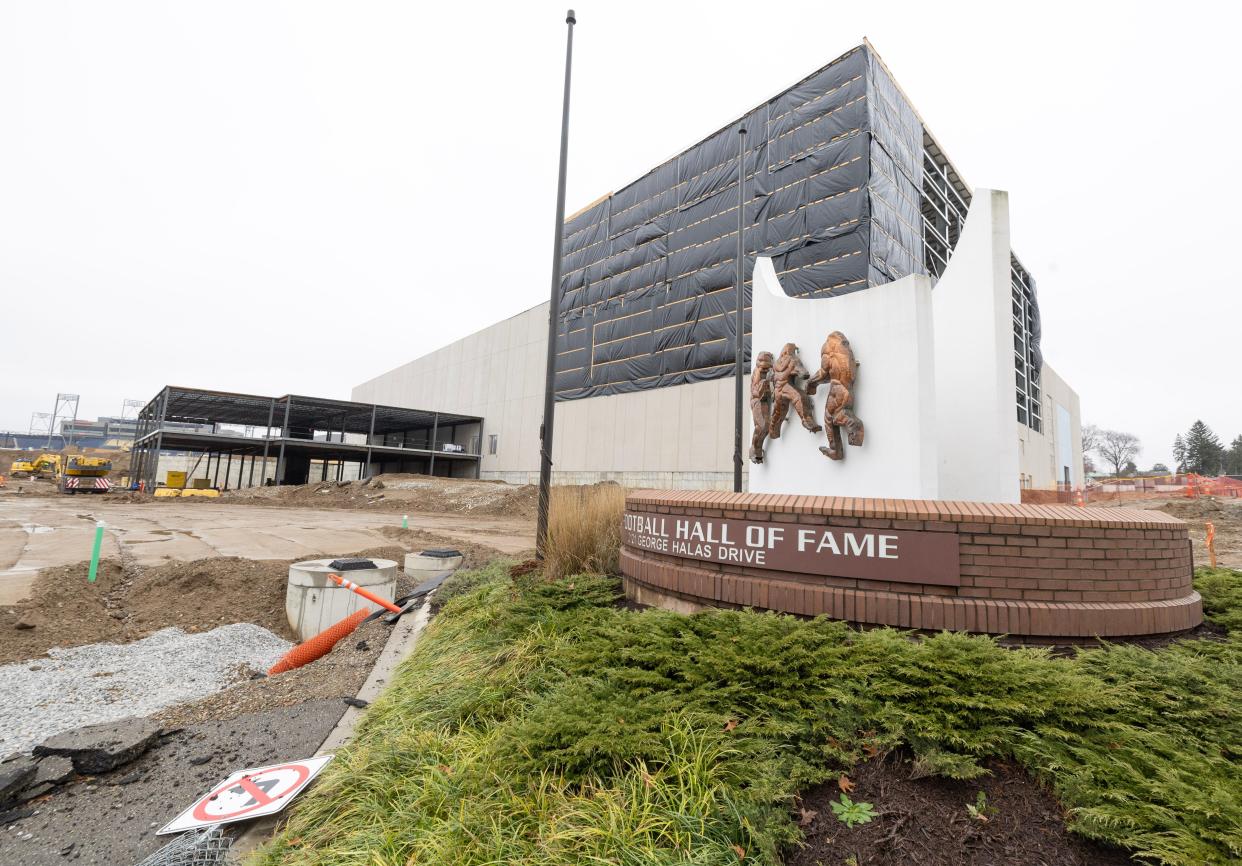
104 682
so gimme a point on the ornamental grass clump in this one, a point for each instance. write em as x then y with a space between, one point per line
538 722
584 530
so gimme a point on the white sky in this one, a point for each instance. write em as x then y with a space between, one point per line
295 197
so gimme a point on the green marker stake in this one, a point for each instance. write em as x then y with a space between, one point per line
405 521
99 530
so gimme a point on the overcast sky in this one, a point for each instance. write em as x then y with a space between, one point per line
295 197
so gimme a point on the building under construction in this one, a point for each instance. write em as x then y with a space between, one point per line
244 440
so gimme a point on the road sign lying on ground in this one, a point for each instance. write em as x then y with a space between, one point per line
249 794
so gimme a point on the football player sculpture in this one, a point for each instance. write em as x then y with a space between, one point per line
760 404
788 376
838 369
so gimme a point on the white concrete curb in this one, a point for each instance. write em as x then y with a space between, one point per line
399 645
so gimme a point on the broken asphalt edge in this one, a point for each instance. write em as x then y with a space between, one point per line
400 644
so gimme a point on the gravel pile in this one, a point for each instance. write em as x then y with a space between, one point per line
103 682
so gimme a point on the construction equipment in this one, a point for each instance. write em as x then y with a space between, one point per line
44 466
84 474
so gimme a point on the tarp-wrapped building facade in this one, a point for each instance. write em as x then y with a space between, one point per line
844 187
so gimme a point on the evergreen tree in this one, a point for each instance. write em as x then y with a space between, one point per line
1204 452
1233 458
1179 452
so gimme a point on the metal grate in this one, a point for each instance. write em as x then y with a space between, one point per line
207 847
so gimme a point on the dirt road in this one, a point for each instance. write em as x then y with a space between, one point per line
41 532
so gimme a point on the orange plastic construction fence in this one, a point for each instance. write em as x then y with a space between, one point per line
320 645
1203 485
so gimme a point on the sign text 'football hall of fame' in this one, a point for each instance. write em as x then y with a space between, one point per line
903 556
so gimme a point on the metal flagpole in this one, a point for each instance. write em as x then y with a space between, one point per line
738 324
549 403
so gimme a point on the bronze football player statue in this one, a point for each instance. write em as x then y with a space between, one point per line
838 368
788 374
760 404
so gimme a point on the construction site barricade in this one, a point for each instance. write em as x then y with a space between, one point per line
318 646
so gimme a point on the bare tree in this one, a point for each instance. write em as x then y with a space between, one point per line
1090 441
1090 437
1117 448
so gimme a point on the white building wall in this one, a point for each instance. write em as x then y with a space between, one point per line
975 410
495 373
680 436
1042 456
890 332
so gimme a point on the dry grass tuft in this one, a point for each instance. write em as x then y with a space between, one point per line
584 530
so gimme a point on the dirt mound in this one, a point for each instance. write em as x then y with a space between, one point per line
401 493
66 610
206 593
1046 497
125 605
1203 508
474 555
925 821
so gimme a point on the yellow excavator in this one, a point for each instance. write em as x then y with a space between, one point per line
43 466
76 473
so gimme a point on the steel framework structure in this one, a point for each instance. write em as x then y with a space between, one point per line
296 431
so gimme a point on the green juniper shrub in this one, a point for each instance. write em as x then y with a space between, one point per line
537 722
1221 589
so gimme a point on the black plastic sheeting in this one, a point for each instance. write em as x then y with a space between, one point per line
832 192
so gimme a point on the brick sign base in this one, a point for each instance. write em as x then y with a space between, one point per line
1042 571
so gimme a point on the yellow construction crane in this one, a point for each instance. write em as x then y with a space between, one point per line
84 474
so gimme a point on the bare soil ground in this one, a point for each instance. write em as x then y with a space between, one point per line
129 601
924 822
125 605
401 493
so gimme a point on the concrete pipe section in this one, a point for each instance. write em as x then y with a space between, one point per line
313 603
426 564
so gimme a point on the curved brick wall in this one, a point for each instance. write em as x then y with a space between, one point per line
1029 570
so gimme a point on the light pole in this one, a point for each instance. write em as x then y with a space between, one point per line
549 386
738 322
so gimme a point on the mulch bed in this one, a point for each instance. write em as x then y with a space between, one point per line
924 822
